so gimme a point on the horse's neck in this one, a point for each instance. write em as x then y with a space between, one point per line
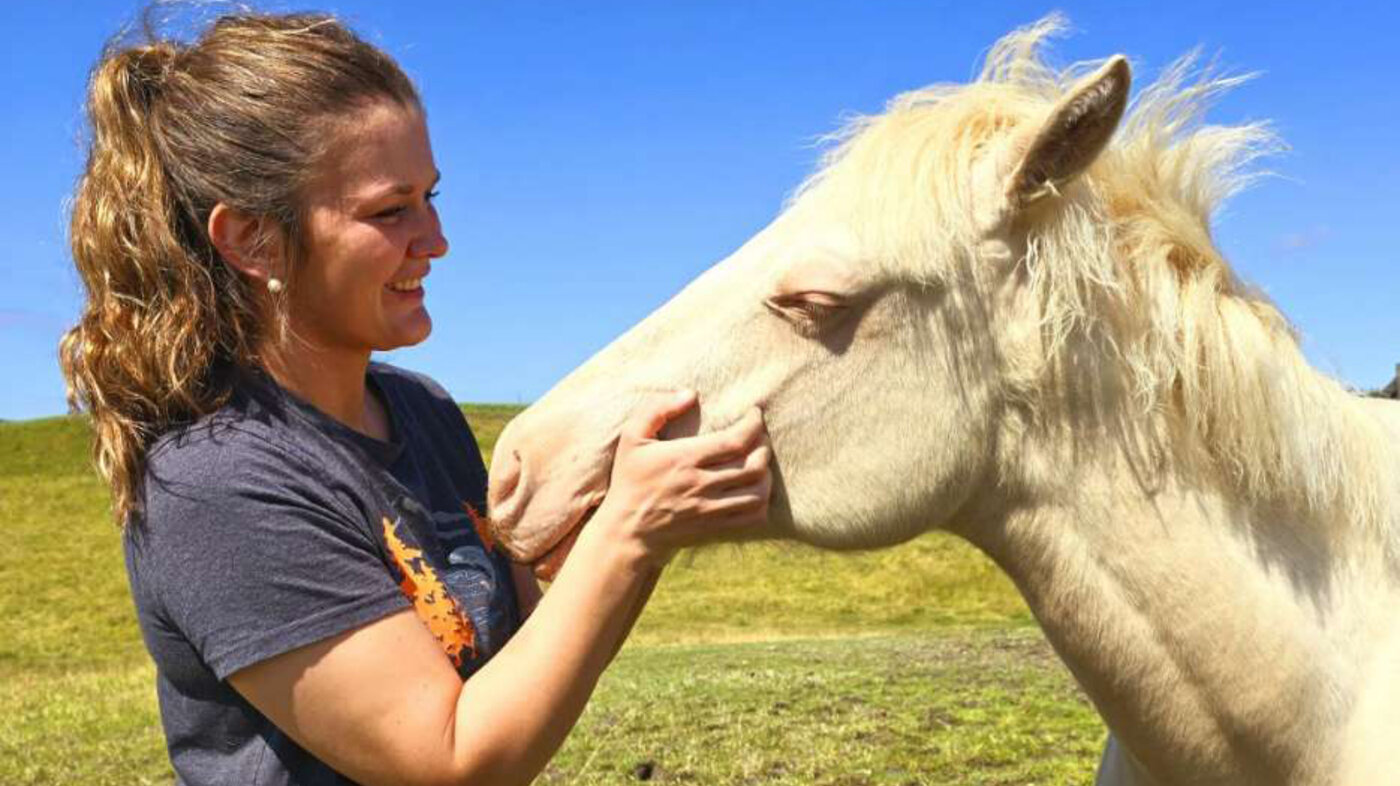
1222 642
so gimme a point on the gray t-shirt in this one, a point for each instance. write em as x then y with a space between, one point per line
270 526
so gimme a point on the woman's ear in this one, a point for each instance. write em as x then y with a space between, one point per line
245 243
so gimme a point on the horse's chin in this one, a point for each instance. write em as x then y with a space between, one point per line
548 564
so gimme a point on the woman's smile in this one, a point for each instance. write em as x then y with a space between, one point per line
408 287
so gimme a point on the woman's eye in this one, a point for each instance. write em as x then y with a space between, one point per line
398 210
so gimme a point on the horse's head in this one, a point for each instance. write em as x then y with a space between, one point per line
868 321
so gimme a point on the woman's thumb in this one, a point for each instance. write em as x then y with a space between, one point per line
656 410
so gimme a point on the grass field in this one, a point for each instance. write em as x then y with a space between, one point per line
767 664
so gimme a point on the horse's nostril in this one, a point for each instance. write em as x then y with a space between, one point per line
505 478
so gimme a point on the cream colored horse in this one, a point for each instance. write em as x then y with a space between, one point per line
997 310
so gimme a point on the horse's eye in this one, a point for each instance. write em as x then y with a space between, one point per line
807 312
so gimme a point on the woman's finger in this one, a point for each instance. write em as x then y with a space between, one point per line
753 496
735 520
655 411
730 442
739 472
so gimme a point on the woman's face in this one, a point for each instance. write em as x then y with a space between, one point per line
370 233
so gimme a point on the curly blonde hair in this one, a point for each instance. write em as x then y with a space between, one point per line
239 116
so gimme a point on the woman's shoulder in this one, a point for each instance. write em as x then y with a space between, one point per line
411 383
428 418
248 426
419 395
258 445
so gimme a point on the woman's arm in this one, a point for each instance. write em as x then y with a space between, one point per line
527 589
382 703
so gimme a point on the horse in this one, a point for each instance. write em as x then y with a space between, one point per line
996 309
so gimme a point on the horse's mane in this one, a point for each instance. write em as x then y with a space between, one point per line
1124 263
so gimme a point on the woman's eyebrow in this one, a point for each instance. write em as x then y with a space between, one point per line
399 188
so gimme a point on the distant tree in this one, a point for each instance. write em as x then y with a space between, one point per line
1389 391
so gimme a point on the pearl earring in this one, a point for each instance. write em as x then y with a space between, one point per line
274 285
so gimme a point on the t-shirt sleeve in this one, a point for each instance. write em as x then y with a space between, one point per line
257 555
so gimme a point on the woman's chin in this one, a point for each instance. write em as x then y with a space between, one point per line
409 332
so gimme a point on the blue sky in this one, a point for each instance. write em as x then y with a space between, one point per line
597 156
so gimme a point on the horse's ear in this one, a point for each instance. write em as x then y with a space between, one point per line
1073 135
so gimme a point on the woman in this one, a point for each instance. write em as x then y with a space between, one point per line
255 218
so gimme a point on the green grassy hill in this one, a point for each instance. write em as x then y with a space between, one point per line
766 664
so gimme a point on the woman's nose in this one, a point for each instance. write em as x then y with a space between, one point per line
431 244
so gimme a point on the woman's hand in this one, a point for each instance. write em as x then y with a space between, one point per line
668 494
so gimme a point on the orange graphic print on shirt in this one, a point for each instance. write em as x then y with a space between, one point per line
438 610
483 527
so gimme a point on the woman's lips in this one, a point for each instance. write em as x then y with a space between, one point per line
408 286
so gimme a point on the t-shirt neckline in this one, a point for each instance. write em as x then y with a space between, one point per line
386 453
